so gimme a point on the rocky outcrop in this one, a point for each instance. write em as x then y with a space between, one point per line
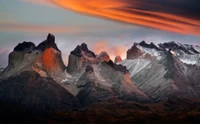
83 50
79 58
134 52
117 67
186 48
103 56
168 45
48 43
118 59
50 59
25 46
146 45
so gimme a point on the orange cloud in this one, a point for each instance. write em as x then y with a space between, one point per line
14 26
154 14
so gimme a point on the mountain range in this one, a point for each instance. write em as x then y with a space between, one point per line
36 81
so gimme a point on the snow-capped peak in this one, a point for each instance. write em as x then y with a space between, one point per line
188 54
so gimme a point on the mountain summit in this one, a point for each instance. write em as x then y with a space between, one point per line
45 59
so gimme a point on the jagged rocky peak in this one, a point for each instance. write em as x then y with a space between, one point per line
103 56
171 44
45 59
82 49
188 54
134 52
118 59
25 46
48 43
51 59
186 48
146 45
79 58
16 57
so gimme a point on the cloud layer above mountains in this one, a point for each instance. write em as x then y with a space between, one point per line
181 16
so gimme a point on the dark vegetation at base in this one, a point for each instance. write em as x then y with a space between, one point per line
173 111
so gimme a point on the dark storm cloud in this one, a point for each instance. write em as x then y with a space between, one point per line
184 8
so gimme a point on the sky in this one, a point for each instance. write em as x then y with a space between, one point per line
105 25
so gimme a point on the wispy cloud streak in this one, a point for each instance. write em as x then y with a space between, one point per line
181 16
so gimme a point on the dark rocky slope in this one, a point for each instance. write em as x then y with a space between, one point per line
28 92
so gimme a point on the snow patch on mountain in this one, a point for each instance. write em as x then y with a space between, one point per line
189 62
150 51
192 59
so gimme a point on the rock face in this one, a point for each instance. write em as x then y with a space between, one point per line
118 59
103 82
51 59
103 56
122 84
29 92
44 59
150 46
48 43
79 58
117 67
25 46
165 73
134 52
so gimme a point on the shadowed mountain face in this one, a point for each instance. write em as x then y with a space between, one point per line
30 93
